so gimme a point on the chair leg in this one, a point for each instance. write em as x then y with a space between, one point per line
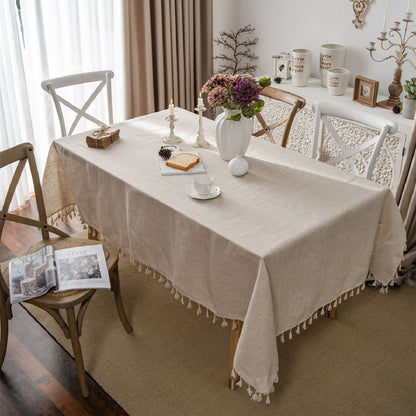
4 322
115 287
76 347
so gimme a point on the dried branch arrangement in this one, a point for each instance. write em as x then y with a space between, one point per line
237 57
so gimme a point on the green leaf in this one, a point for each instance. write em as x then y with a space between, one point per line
265 82
235 117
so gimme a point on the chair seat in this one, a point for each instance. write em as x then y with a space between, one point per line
68 298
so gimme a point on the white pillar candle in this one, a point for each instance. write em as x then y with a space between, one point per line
200 100
171 107
385 16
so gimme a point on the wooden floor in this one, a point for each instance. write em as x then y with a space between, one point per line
38 376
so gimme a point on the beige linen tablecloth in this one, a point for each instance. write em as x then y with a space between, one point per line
274 248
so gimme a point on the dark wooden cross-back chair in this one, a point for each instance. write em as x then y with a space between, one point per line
51 302
294 100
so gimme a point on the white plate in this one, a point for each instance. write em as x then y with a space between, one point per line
215 191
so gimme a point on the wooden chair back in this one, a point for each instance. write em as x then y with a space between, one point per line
297 102
104 79
22 154
347 152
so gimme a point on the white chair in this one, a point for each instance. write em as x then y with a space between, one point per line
359 155
104 79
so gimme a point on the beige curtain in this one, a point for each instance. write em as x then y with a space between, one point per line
406 199
168 53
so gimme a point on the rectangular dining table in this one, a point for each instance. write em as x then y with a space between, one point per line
272 250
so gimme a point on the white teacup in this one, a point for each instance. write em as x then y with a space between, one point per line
203 184
338 80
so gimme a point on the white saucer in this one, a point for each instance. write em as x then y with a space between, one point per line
215 191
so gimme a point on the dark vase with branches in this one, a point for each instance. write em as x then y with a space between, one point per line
237 57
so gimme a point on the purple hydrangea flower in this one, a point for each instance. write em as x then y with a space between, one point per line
218 96
245 91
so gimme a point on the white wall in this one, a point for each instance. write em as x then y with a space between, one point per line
282 25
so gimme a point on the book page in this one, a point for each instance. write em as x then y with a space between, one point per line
82 267
32 275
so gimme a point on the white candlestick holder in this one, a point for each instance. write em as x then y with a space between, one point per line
172 138
200 139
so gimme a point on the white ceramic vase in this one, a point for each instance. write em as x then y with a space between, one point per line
232 137
409 107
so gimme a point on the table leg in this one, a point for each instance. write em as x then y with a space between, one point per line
236 327
332 314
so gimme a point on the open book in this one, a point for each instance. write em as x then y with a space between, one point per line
75 268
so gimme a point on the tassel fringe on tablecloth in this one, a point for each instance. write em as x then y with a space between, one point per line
225 322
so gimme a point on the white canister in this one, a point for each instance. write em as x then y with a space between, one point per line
331 56
282 65
338 79
301 66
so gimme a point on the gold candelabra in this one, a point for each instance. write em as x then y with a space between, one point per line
399 55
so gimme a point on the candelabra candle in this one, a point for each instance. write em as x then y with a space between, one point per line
200 139
398 41
382 37
172 138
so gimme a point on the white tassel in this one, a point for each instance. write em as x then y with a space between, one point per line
323 311
329 308
199 311
239 383
154 274
282 339
335 303
161 279
363 286
339 300
167 284
315 316
298 330
147 271
140 267
346 296
177 295
267 400
233 374
304 326
391 284
182 301
234 325
214 319
207 313
374 284
310 321
357 292
249 391
351 293
290 334
189 304
224 322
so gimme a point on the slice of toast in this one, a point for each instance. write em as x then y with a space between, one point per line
183 161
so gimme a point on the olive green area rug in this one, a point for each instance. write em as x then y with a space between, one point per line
176 362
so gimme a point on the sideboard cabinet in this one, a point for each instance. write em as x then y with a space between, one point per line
388 165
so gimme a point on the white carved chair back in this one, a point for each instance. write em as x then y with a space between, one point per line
326 114
104 80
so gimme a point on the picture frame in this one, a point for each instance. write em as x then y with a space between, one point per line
365 91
